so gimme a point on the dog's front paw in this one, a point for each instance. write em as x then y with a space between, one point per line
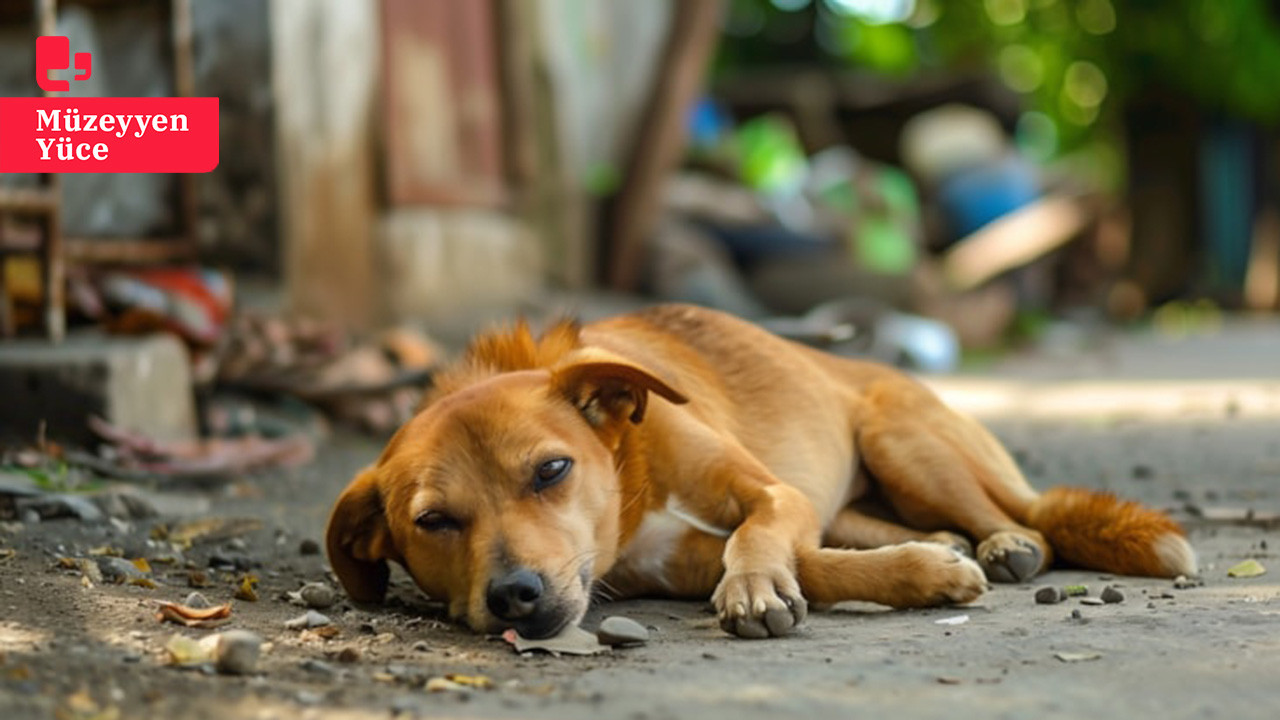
937 575
759 604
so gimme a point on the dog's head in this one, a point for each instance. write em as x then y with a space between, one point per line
503 497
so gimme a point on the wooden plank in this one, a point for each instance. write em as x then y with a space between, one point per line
324 74
442 114
659 144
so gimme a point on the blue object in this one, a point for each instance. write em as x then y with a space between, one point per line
975 196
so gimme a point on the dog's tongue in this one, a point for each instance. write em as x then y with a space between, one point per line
573 640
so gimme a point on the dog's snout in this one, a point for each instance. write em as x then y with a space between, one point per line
515 595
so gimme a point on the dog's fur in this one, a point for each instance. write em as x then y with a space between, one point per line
710 458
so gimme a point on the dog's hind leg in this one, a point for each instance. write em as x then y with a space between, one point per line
941 471
854 529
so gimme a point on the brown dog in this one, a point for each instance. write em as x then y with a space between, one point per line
682 452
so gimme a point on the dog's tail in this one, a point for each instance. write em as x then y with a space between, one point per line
1098 531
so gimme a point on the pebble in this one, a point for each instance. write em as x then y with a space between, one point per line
349 655
1049 595
1077 615
318 667
308 547
306 697
309 619
421 646
618 630
197 601
1111 595
318 595
116 569
1091 601
237 652
1182 582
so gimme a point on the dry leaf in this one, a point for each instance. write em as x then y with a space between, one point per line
106 550
211 529
482 682
248 590
142 565
147 583
573 640
1247 569
194 617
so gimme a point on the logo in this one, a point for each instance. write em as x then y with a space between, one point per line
102 134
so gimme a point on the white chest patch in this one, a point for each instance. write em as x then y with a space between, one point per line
658 537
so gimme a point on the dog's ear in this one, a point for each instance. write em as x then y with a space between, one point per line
359 540
608 388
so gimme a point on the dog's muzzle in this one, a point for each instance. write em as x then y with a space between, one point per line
520 600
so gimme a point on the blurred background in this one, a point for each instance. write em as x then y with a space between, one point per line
930 184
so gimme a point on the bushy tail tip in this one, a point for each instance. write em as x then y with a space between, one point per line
1099 531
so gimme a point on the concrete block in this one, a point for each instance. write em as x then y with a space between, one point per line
439 265
138 383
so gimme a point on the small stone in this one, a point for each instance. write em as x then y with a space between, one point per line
1076 615
618 630
319 667
1111 595
306 697
196 601
1143 472
1049 595
421 646
349 655
318 595
237 544
309 619
1091 601
118 570
308 547
237 652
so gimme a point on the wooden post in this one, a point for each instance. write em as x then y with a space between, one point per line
325 78
659 144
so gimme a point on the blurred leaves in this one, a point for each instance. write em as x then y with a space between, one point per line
1077 61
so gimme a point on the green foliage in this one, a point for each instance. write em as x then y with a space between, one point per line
1077 61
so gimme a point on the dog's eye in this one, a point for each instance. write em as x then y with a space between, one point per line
435 521
551 472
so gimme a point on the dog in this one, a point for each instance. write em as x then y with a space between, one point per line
682 452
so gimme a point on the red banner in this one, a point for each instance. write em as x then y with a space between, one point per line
69 135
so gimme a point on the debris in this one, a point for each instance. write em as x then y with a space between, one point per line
421 646
208 617
349 655
1182 582
459 682
1071 657
207 530
7 554
1143 472
318 667
1091 601
237 652
573 640
617 631
118 570
1247 569
1076 590
1049 595
186 652
248 588
955 620
314 595
948 680
309 619
81 706
308 547
1111 595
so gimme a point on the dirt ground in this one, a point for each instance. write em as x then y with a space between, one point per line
1203 442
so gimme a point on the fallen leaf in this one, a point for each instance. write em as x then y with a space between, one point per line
194 617
142 565
248 590
482 682
147 583
211 529
573 640
1247 569
1076 590
1071 657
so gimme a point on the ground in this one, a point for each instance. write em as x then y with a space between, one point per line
1190 425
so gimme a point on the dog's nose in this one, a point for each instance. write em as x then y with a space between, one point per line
515 595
